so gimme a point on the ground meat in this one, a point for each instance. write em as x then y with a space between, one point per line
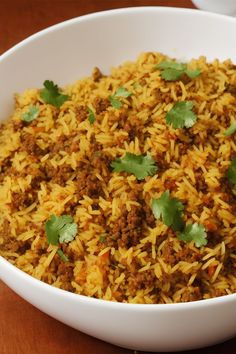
65 272
214 238
81 113
37 179
208 200
19 246
10 243
201 183
5 230
55 148
5 165
101 104
100 220
59 175
229 197
149 217
231 89
68 143
127 229
23 200
162 97
29 144
170 184
192 294
97 74
168 253
88 184
134 127
17 125
161 163
141 280
187 255
101 163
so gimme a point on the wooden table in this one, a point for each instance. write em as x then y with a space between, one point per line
23 328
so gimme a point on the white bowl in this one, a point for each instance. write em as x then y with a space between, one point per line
226 7
65 53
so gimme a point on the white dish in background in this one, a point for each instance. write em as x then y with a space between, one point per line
67 52
226 7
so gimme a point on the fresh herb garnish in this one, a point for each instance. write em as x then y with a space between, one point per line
102 238
62 255
121 92
91 116
231 130
181 115
139 165
193 232
60 229
169 210
51 94
31 114
172 71
231 173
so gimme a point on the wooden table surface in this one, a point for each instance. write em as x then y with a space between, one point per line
23 328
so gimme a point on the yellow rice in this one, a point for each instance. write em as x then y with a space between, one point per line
158 268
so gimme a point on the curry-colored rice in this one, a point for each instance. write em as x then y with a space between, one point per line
156 267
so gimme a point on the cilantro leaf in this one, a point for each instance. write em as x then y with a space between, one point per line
102 238
192 74
171 74
172 71
62 255
139 165
171 65
91 116
115 102
67 233
230 130
194 232
231 173
31 114
60 229
51 94
121 92
51 228
169 210
181 115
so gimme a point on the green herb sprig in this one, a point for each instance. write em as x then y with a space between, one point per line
231 130
59 230
31 114
51 94
170 211
194 232
139 165
172 71
181 115
91 115
115 99
231 173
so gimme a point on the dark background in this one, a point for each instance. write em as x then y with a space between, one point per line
23 328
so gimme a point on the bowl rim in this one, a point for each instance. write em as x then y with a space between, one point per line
178 306
117 11
83 298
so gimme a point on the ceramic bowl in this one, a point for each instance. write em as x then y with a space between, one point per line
226 7
65 53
